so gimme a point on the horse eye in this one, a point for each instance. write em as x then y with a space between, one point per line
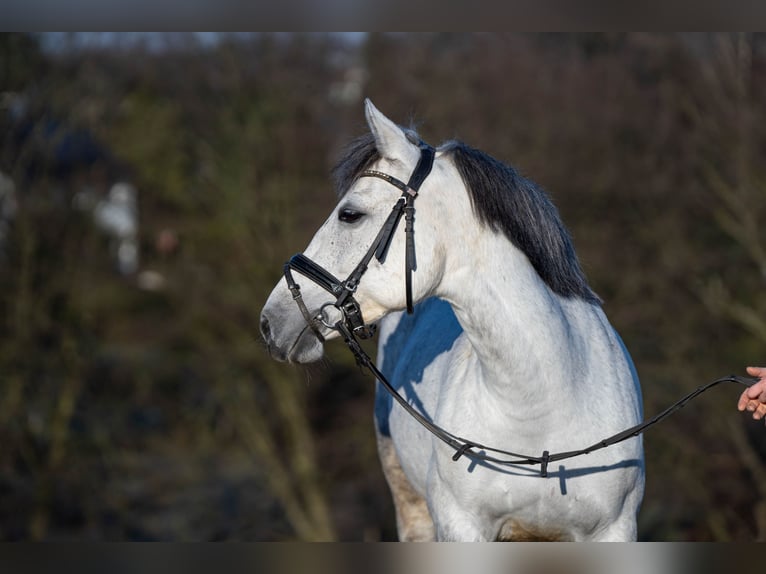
349 215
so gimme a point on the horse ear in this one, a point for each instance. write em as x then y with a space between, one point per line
390 140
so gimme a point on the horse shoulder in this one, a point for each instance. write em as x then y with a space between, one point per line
414 353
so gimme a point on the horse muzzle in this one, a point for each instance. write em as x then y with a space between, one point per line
289 338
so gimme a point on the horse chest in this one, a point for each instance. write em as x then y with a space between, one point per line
514 503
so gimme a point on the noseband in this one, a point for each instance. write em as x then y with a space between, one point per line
350 312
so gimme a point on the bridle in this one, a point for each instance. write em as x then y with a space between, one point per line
343 291
351 325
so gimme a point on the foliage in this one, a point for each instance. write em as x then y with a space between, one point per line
157 414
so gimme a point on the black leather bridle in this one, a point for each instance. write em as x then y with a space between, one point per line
351 325
343 291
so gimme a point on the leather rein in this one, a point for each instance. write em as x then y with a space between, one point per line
351 325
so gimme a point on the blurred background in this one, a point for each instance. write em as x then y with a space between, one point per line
152 185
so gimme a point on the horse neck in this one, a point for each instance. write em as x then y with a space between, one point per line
524 336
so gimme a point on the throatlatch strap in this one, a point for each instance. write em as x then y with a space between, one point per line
409 193
388 231
425 164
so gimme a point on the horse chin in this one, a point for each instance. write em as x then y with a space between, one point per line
307 349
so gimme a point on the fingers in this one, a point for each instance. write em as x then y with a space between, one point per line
759 372
757 391
753 399
757 408
744 400
751 405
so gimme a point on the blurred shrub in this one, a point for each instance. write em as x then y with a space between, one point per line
157 414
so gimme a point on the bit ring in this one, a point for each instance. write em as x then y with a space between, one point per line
324 318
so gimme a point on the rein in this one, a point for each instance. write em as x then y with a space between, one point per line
464 446
351 324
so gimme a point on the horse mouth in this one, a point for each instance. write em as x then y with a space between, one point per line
306 348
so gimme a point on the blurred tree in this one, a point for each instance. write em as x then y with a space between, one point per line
157 414
22 61
731 168
733 172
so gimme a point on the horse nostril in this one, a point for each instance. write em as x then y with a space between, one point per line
265 329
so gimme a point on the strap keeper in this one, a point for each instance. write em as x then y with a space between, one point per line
544 464
460 452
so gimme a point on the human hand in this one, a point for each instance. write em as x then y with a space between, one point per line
753 399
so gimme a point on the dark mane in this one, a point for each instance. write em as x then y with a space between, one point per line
505 202
516 206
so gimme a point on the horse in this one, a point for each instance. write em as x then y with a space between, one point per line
506 344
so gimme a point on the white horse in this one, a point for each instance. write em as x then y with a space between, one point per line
508 347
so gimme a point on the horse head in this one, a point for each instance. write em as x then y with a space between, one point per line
349 233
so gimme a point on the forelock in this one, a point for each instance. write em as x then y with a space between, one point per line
358 156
